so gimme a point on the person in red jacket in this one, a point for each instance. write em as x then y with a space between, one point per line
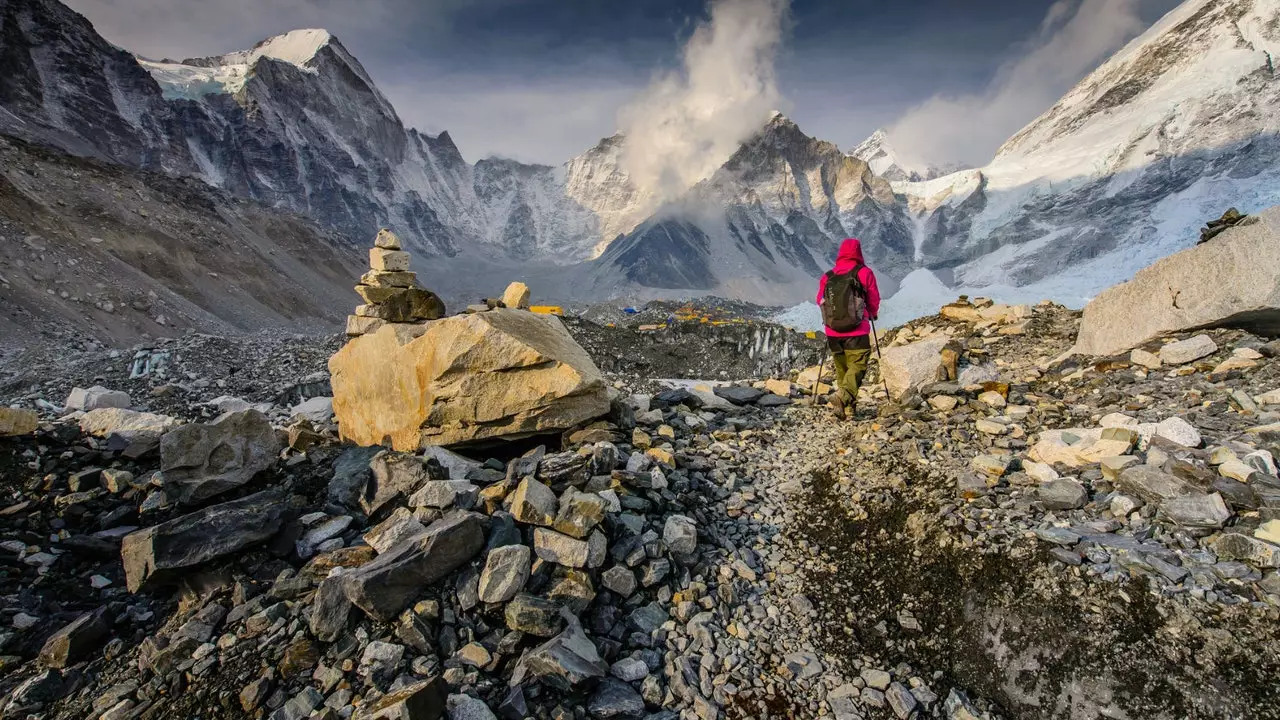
850 349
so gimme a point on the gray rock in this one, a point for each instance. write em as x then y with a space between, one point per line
1152 484
1235 546
739 395
394 474
350 475
199 461
901 700
299 706
771 400
465 707
1233 281
629 669
619 579
330 609
681 535
385 586
958 707
1189 350
1201 511
442 494
565 660
506 571
615 699
1057 536
184 542
380 661
533 615
1179 431
96 397
1063 494
877 679
647 618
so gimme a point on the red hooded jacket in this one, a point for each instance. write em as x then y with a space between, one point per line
849 257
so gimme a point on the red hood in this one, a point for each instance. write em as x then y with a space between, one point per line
850 256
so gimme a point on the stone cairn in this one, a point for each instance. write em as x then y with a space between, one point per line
390 291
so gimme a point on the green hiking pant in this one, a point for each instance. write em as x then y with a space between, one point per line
849 356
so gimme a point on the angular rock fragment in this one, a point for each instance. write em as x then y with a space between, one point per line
533 615
422 701
394 475
96 397
560 548
384 587
506 570
1200 511
75 641
564 661
158 551
909 367
534 503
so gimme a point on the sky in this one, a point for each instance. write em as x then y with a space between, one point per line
543 80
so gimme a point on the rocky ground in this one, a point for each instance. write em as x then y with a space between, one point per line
948 554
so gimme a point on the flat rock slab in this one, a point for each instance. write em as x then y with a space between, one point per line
158 551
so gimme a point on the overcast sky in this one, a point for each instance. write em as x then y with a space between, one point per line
542 80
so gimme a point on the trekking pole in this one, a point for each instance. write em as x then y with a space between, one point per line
875 334
818 380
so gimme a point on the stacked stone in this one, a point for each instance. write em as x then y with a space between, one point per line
390 291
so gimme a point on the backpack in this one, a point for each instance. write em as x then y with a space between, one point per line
844 301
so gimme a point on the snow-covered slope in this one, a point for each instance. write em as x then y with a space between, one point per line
1178 126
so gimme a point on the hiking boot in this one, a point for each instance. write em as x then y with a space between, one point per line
836 402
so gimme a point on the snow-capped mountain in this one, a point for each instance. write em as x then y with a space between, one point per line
877 151
1175 128
767 222
1179 125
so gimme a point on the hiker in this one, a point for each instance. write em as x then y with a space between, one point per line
849 298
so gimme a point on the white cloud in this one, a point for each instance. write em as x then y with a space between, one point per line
688 122
533 121
1074 38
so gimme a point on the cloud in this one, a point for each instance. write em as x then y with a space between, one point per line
1074 37
689 121
540 121
191 28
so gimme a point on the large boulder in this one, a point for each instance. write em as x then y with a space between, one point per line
199 461
908 367
204 535
498 374
1232 280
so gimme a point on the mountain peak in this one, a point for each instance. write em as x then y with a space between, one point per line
297 47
